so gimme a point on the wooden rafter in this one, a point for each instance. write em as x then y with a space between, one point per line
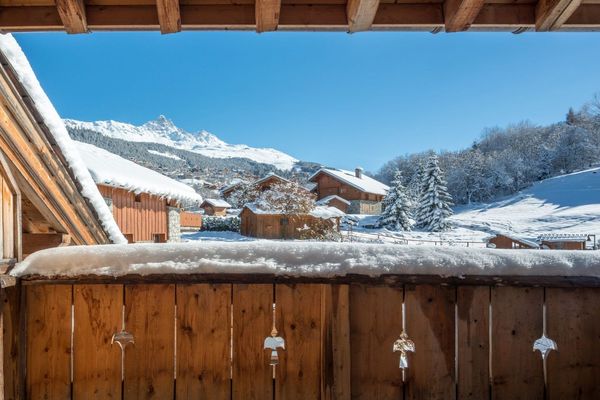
459 15
72 14
550 15
169 16
361 14
267 15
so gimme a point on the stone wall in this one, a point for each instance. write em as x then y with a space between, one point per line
174 224
364 207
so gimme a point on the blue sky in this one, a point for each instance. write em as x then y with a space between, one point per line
342 100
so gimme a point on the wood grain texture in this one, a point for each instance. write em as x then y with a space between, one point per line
298 376
335 343
430 324
573 322
517 372
550 15
12 339
203 341
72 15
149 363
267 15
98 311
361 14
169 16
473 342
459 15
375 323
252 322
49 342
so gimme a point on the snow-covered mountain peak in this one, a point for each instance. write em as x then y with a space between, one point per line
162 130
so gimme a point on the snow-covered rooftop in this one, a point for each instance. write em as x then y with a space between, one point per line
323 212
326 200
563 237
217 203
269 176
301 258
109 169
11 50
531 243
364 184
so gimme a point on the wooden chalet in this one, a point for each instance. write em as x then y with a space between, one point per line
273 225
335 201
216 207
46 197
364 193
567 241
190 220
145 204
509 241
77 16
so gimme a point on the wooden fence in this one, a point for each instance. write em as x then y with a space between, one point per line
204 340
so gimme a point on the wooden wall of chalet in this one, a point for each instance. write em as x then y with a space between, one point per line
140 221
190 220
504 242
212 210
327 186
275 226
566 245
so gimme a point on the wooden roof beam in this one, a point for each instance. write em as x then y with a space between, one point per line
550 15
169 16
459 15
72 14
361 14
267 15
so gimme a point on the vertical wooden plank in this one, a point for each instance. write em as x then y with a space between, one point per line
8 221
299 323
517 371
203 341
149 364
430 324
98 313
375 323
335 353
573 323
48 341
473 304
252 322
11 343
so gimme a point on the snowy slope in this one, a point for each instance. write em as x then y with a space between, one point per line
165 132
566 204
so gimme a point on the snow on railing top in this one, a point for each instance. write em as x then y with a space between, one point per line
302 258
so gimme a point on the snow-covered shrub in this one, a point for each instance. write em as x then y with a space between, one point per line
288 198
229 223
324 230
243 194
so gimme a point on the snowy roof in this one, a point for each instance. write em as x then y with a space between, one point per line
269 176
512 236
13 53
300 258
323 212
233 184
217 203
109 169
364 184
326 200
563 237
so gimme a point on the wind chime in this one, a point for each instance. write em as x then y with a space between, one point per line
274 342
403 345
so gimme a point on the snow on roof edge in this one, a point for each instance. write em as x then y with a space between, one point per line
348 178
15 56
305 258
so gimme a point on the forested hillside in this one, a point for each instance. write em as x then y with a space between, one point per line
506 160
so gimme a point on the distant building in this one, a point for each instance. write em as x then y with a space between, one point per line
190 221
145 204
364 193
262 184
509 241
567 241
217 207
334 201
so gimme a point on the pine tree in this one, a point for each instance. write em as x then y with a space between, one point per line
396 206
434 204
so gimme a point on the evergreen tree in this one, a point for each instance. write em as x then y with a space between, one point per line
433 208
396 206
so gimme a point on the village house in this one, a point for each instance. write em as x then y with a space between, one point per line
567 241
510 241
364 193
216 207
48 196
145 204
261 184
334 201
275 225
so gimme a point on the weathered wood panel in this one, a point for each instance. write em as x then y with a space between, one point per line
203 341
49 341
517 371
98 311
430 324
473 306
375 323
573 322
298 376
13 337
252 322
149 364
